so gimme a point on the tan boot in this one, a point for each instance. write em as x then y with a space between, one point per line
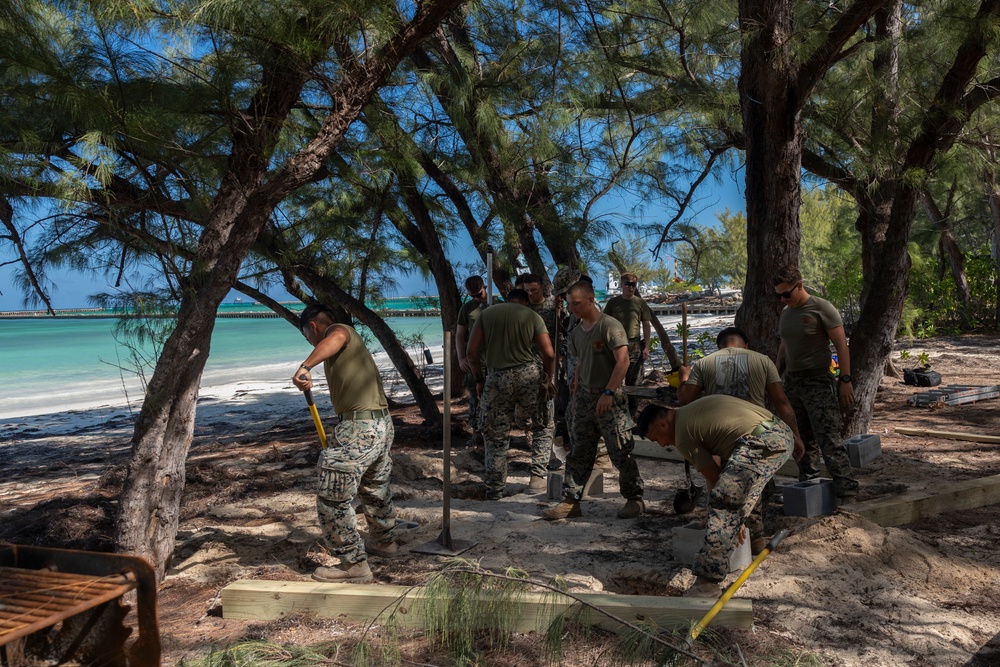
345 573
633 508
567 509
537 483
704 588
382 549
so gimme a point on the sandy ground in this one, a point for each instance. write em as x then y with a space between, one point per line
847 590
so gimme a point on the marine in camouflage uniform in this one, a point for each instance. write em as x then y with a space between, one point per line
632 311
737 371
543 424
807 325
504 335
356 461
752 444
467 316
600 407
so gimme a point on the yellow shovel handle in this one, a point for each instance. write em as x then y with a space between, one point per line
735 586
316 419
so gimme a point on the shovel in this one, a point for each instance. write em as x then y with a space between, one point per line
686 499
316 419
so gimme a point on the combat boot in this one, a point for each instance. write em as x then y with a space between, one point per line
567 509
345 573
537 483
704 588
633 508
382 549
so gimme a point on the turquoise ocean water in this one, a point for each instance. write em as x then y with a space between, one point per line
47 363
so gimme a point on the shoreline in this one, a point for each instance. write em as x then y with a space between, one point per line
235 384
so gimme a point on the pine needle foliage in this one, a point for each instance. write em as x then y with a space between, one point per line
267 654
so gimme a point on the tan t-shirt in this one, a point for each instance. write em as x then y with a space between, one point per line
735 371
595 351
353 377
509 329
711 426
630 312
803 331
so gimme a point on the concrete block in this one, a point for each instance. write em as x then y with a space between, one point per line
594 485
814 497
689 539
863 449
555 486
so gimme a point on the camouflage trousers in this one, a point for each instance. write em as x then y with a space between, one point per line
356 463
507 391
817 412
473 389
587 428
753 463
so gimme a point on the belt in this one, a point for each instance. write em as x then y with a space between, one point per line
766 425
364 415
812 372
635 340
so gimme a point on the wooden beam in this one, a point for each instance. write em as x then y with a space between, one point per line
363 603
913 505
950 435
652 450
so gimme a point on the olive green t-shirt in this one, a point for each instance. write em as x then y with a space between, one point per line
595 351
630 312
469 313
353 377
712 425
509 329
803 331
735 371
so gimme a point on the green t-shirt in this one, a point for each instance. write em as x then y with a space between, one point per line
711 426
353 377
509 329
803 331
735 371
595 351
469 313
630 312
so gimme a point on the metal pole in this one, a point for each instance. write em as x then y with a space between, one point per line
489 275
446 477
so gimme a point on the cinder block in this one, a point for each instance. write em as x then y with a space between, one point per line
555 486
688 541
863 449
814 497
593 487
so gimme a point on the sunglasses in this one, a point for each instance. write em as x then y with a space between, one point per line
628 284
478 294
788 294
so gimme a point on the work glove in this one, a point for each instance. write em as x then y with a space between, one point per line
546 389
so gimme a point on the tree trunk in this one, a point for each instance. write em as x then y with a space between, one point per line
993 194
149 507
951 253
773 136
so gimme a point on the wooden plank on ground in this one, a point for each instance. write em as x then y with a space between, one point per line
913 505
950 435
363 603
652 450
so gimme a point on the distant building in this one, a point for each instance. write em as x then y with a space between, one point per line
615 285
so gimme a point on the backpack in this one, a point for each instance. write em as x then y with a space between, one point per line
921 377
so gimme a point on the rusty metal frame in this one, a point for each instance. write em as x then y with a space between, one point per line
42 587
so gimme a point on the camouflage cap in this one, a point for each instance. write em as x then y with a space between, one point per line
564 279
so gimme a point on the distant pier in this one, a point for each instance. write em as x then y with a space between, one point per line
88 313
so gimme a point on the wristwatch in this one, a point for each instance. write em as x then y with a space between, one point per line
845 378
608 392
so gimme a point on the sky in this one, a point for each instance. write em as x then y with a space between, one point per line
72 288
